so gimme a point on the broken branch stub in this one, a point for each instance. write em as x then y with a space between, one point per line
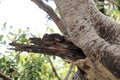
51 44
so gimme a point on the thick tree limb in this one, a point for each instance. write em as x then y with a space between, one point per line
87 28
52 44
93 32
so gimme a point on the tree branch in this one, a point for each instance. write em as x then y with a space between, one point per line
51 13
4 77
93 32
52 44
69 71
53 68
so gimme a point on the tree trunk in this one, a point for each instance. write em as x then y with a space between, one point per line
95 34
88 29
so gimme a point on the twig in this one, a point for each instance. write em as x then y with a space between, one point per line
68 73
51 13
4 77
53 68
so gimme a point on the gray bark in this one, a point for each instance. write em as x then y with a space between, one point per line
88 29
95 34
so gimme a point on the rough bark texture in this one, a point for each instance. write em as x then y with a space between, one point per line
93 32
95 35
52 44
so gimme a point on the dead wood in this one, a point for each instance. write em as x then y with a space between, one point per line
51 44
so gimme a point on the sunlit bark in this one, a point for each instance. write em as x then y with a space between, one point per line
85 26
93 32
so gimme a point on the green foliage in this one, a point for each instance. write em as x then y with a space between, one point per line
33 66
1 37
118 1
26 65
110 9
49 29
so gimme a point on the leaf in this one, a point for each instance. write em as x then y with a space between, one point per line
20 30
4 25
11 33
24 40
51 30
1 37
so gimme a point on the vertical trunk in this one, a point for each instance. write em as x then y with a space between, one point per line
89 29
